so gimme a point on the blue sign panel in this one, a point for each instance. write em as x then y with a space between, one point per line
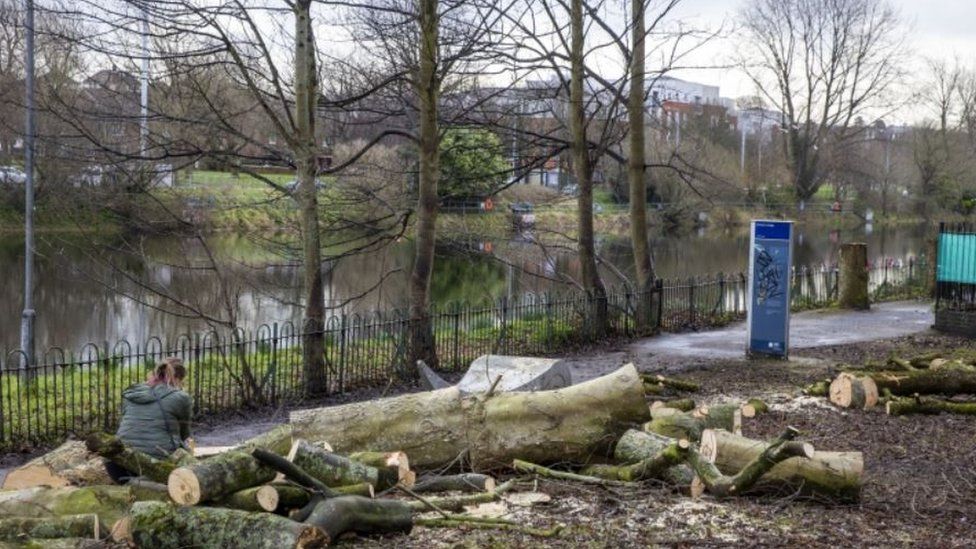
770 258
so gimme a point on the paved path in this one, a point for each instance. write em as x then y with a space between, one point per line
807 329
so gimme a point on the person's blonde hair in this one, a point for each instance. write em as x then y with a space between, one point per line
170 371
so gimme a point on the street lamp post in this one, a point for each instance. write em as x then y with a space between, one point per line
28 316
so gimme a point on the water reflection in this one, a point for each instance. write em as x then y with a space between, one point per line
82 297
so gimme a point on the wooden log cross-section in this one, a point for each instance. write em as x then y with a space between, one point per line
67 465
850 391
217 477
436 427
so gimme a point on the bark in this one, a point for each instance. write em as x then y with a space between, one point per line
394 467
145 489
754 407
690 425
853 293
110 503
721 485
542 471
111 448
163 526
931 406
292 472
835 476
635 446
643 268
333 469
820 389
680 404
67 526
436 427
427 87
849 391
671 383
597 317
256 500
305 151
458 503
653 467
946 379
466 482
66 465
278 440
361 515
217 477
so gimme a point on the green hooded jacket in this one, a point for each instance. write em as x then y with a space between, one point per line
155 420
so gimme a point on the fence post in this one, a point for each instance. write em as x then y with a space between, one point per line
106 378
548 318
628 312
691 300
721 293
457 337
503 344
342 353
659 287
276 375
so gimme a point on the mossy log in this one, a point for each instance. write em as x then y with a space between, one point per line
109 502
689 425
754 407
333 469
257 499
465 482
144 489
70 464
929 406
653 388
654 467
217 477
818 389
949 379
721 485
680 404
111 447
165 526
834 476
278 440
363 516
435 427
635 446
850 391
671 383
394 467
66 526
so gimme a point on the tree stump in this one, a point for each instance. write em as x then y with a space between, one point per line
853 292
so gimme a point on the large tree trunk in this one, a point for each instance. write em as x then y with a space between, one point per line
164 526
830 475
643 268
932 406
217 477
68 464
68 526
306 162
427 87
435 427
597 317
947 380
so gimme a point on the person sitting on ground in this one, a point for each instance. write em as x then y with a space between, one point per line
155 415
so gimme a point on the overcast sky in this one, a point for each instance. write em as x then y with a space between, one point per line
934 28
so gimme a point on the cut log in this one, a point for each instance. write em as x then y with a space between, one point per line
217 477
67 526
518 373
849 391
654 467
332 469
255 500
67 465
292 472
819 389
110 503
653 388
635 446
721 416
671 383
277 440
145 489
721 485
689 425
754 407
111 447
946 380
200 452
436 427
930 406
364 516
681 404
466 482
394 467
834 476
164 526
895 363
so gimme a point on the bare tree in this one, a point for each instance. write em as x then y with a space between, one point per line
823 63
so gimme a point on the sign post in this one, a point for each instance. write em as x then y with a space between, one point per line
770 261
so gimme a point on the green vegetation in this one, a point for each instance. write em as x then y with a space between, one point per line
472 163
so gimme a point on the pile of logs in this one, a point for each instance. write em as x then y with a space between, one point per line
901 384
351 469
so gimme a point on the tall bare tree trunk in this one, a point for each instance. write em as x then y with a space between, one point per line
421 345
597 317
643 268
306 161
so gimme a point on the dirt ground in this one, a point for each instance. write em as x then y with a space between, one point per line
919 484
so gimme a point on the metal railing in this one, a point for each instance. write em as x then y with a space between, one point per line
77 392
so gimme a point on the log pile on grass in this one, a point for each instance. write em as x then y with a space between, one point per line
352 469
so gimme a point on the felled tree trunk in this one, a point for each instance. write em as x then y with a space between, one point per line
931 406
393 467
110 503
164 526
111 447
67 526
947 380
722 485
216 477
635 446
364 516
332 469
435 427
849 391
831 475
67 465
466 482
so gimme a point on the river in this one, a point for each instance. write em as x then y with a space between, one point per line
84 296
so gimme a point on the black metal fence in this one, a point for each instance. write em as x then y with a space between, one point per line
75 392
